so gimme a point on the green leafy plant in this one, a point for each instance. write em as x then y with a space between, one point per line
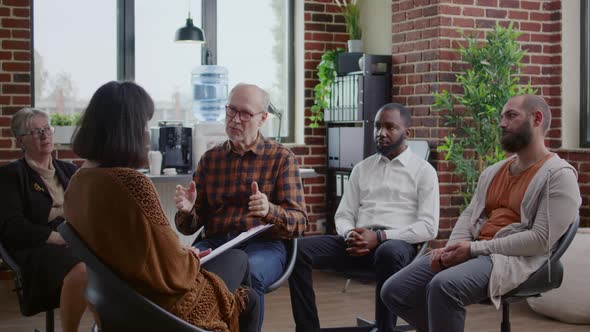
488 83
65 119
327 72
351 10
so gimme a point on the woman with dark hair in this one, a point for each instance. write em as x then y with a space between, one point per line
117 212
31 208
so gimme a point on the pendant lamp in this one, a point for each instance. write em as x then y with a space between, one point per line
190 33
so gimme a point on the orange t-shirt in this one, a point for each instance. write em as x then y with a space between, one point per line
504 198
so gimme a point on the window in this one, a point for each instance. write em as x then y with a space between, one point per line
73 54
162 66
134 40
259 51
585 77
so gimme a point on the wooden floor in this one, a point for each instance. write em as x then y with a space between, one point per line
335 309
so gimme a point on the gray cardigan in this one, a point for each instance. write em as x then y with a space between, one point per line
549 206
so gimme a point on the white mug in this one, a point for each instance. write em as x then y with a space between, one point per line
155 160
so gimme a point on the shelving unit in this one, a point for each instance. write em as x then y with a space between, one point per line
363 85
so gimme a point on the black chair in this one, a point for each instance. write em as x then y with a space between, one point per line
119 306
367 275
25 309
539 282
291 246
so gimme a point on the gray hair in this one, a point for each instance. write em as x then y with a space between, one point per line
21 120
263 93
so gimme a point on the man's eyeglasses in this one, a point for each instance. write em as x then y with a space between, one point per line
38 132
231 111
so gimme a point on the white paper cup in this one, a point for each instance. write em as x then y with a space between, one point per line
155 160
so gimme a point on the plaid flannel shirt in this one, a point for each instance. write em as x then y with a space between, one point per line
224 177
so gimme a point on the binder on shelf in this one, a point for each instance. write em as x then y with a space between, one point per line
344 182
338 185
351 100
359 100
334 147
344 99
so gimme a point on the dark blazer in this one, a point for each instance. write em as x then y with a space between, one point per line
25 203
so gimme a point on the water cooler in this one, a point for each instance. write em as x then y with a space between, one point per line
209 93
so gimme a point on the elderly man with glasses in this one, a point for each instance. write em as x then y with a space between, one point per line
246 181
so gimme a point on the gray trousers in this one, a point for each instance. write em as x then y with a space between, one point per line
436 301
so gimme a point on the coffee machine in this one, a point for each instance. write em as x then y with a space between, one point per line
175 142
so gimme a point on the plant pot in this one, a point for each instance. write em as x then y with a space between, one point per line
355 45
63 134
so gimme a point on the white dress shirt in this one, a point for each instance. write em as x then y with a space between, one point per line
399 195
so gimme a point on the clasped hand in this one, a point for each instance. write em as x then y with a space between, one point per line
452 255
360 241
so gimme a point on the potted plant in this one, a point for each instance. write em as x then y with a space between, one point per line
490 80
351 10
64 125
322 91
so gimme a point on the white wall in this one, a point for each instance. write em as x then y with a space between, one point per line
376 25
571 68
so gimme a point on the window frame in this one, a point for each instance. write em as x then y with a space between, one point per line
584 80
209 19
125 40
126 48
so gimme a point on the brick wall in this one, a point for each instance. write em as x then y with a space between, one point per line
15 71
424 43
580 159
324 30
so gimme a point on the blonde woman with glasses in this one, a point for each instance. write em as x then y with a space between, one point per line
31 208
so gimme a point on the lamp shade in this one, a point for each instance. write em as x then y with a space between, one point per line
190 33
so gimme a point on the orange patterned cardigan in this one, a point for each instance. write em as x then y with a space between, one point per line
118 213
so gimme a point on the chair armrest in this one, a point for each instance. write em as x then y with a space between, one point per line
292 256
